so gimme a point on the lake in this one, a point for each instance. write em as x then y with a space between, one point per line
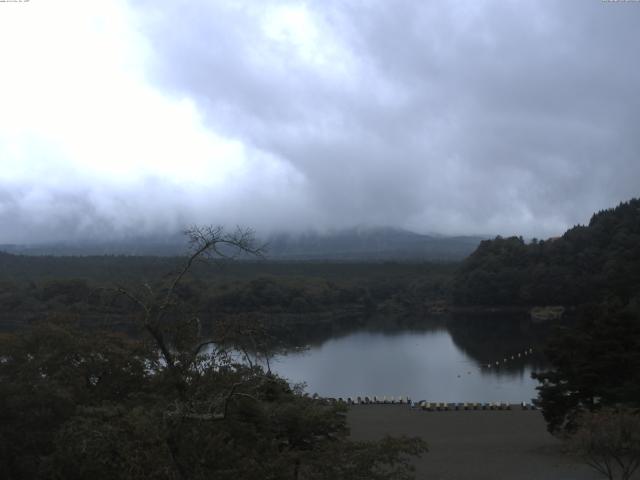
441 363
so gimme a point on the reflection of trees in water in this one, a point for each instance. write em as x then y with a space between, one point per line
311 333
485 338
491 338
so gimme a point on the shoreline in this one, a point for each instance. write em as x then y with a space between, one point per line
473 444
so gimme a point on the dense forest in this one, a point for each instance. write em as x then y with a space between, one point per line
156 402
597 262
592 356
295 300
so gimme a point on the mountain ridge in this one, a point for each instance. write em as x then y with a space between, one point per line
356 243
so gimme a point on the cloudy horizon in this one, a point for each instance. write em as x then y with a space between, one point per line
139 117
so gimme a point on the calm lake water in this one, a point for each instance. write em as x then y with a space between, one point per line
436 364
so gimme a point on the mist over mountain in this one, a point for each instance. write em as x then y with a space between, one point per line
357 243
371 244
137 117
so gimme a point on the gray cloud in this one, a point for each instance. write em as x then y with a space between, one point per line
454 117
459 117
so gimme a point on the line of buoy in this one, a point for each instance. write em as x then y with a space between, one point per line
375 400
497 363
430 406
442 406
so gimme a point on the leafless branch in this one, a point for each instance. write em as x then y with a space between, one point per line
123 291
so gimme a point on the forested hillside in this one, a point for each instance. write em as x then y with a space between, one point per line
597 262
310 295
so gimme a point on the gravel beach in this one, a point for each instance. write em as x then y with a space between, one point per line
475 445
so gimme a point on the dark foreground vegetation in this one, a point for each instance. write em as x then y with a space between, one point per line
78 405
167 403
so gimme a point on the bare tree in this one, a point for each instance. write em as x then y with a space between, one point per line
205 242
609 442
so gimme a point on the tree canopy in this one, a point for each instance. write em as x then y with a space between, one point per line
593 365
166 403
588 263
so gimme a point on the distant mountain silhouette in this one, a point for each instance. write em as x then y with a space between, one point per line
375 244
370 244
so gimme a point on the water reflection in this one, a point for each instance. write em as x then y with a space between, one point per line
443 360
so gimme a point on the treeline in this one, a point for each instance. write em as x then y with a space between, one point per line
593 360
77 403
87 287
597 262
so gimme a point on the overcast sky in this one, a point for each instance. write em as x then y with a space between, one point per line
458 117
